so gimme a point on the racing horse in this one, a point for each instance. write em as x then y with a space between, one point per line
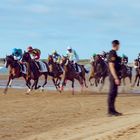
92 73
101 71
126 72
55 70
15 71
137 77
70 74
34 71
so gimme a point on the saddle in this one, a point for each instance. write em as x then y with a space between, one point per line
41 66
77 68
23 68
60 69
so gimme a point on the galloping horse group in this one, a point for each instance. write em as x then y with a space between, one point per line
64 71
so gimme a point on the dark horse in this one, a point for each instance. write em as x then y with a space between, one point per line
125 72
55 70
101 70
15 71
34 71
137 68
92 73
71 74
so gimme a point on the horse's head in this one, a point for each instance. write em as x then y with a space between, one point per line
64 60
50 59
26 57
98 58
136 62
9 60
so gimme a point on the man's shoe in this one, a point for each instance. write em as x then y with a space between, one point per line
115 113
118 113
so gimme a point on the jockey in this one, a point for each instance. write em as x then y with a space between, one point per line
105 56
93 58
73 57
138 57
124 59
56 56
57 59
17 54
35 53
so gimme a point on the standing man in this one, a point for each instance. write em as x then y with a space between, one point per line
114 77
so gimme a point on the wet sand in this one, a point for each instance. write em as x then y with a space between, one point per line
54 116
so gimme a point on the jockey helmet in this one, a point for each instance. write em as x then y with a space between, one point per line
69 48
14 50
54 51
123 55
29 48
94 54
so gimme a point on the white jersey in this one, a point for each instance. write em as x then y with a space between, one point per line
73 56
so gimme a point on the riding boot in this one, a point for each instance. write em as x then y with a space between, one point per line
38 66
76 66
59 68
28 71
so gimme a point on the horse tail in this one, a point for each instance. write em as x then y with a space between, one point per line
86 71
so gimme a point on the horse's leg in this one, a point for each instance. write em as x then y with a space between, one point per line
73 87
46 79
135 81
53 79
36 84
9 80
58 83
102 83
124 82
63 84
85 82
33 85
91 84
96 82
10 83
81 81
138 81
130 77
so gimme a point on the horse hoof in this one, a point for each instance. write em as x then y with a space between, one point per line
4 92
42 89
61 88
29 90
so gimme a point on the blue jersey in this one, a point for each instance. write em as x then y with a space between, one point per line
17 53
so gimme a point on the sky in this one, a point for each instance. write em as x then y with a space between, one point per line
88 26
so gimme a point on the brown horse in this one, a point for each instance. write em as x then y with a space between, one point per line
92 73
126 72
55 70
70 74
101 71
137 77
14 71
34 71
